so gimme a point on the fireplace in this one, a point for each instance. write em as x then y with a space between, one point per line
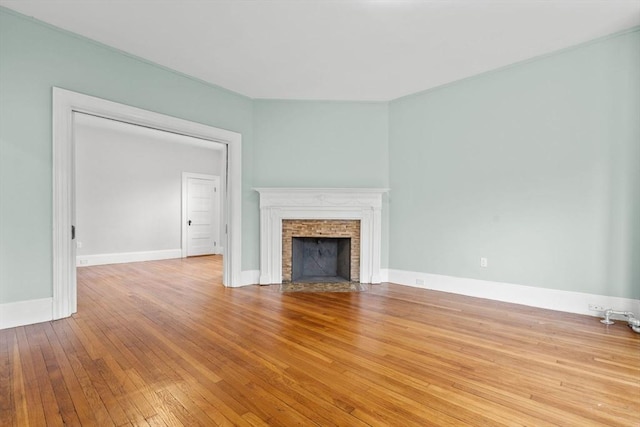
353 213
320 250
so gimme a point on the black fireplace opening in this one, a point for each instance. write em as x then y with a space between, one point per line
321 259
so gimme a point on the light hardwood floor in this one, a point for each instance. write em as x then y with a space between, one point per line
164 343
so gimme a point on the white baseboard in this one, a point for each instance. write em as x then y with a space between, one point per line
22 313
553 299
249 277
102 259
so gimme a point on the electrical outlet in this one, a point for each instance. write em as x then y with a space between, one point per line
594 307
419 282
484 262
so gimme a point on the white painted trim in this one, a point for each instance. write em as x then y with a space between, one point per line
552 299
123 257
363 204
22 313
384 274
65 103
250 277
183 218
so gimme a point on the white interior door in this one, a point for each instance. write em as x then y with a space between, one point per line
202 215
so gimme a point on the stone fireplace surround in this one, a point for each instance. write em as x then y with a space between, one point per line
278 204
324 228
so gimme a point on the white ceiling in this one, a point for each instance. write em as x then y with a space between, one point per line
335 49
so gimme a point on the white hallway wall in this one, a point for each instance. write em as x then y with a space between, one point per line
128 189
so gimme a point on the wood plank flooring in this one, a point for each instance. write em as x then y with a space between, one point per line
165 344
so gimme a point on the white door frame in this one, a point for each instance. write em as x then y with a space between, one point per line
65 103
183 218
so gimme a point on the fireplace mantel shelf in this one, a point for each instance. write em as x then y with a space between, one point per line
319 190
277 203
321 197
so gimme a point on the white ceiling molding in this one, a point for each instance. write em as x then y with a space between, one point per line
335 50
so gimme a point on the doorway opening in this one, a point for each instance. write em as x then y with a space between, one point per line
66 104
131 193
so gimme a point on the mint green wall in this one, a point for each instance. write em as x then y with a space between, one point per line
34 57
322 144
535 166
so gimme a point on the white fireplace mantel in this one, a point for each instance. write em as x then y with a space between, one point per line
362 204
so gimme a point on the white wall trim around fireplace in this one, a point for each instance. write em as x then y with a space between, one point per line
362 204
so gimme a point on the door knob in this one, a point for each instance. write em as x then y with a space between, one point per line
189 222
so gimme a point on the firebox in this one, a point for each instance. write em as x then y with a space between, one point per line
321 259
